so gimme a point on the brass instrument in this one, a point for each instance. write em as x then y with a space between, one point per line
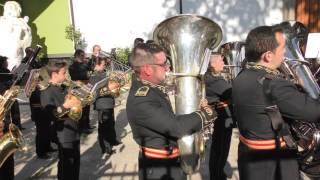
87 93
12 140
189 40
32 82
307 135
233 53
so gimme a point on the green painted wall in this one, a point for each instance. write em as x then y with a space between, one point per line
48 19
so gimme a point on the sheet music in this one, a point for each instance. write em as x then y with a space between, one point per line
313 46
99 84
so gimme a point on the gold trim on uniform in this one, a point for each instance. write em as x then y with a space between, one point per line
142 91
161 88
252 65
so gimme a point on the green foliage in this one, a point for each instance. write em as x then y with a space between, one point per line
122 55
75 36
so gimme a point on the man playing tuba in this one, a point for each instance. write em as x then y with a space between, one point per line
154 125
264 103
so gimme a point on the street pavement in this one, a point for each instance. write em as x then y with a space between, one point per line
122 165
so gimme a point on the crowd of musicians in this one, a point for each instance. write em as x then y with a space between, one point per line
265 149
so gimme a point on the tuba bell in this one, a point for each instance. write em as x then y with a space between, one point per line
233 53
296 68
188 39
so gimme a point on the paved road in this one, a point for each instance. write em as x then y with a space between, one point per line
122 165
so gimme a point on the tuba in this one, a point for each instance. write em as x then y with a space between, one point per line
188 39
233 53
296 68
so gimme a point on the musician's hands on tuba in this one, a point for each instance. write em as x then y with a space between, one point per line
207 114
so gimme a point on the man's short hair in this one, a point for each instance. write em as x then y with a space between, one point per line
55 66
78 53
260 40
137 41
95 46
143 54
99 59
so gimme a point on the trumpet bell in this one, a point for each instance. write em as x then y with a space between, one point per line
75 113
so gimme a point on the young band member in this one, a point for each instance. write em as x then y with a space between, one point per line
7 169
154 125
57 105
79 71
218 92
266 150
104 104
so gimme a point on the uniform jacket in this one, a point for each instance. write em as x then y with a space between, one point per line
152 119
250 102
51 98
102 102
217 88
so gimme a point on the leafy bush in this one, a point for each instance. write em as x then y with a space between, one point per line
76 36
122 55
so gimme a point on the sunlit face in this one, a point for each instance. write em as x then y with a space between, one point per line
217 63
101 66
159 68
278 54
96 50
60 76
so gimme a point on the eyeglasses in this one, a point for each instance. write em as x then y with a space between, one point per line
164 65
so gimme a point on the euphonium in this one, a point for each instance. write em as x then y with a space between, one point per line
188 39
307 135
86 93
12 140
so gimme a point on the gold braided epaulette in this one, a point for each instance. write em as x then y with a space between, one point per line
142 91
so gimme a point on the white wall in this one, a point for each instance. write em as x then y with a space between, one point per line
118 23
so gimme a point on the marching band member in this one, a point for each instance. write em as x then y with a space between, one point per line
7 168
79 71
104 104
264 104
154 125
56 105
218 92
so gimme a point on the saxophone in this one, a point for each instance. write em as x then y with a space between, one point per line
13 139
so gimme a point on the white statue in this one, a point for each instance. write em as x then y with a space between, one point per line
15 34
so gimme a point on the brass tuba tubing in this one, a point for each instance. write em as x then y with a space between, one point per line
187 38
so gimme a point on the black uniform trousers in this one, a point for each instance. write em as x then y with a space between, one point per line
160 169
267 164
221 139
7 169
106 130
44 131
15 114
84 122
69 161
